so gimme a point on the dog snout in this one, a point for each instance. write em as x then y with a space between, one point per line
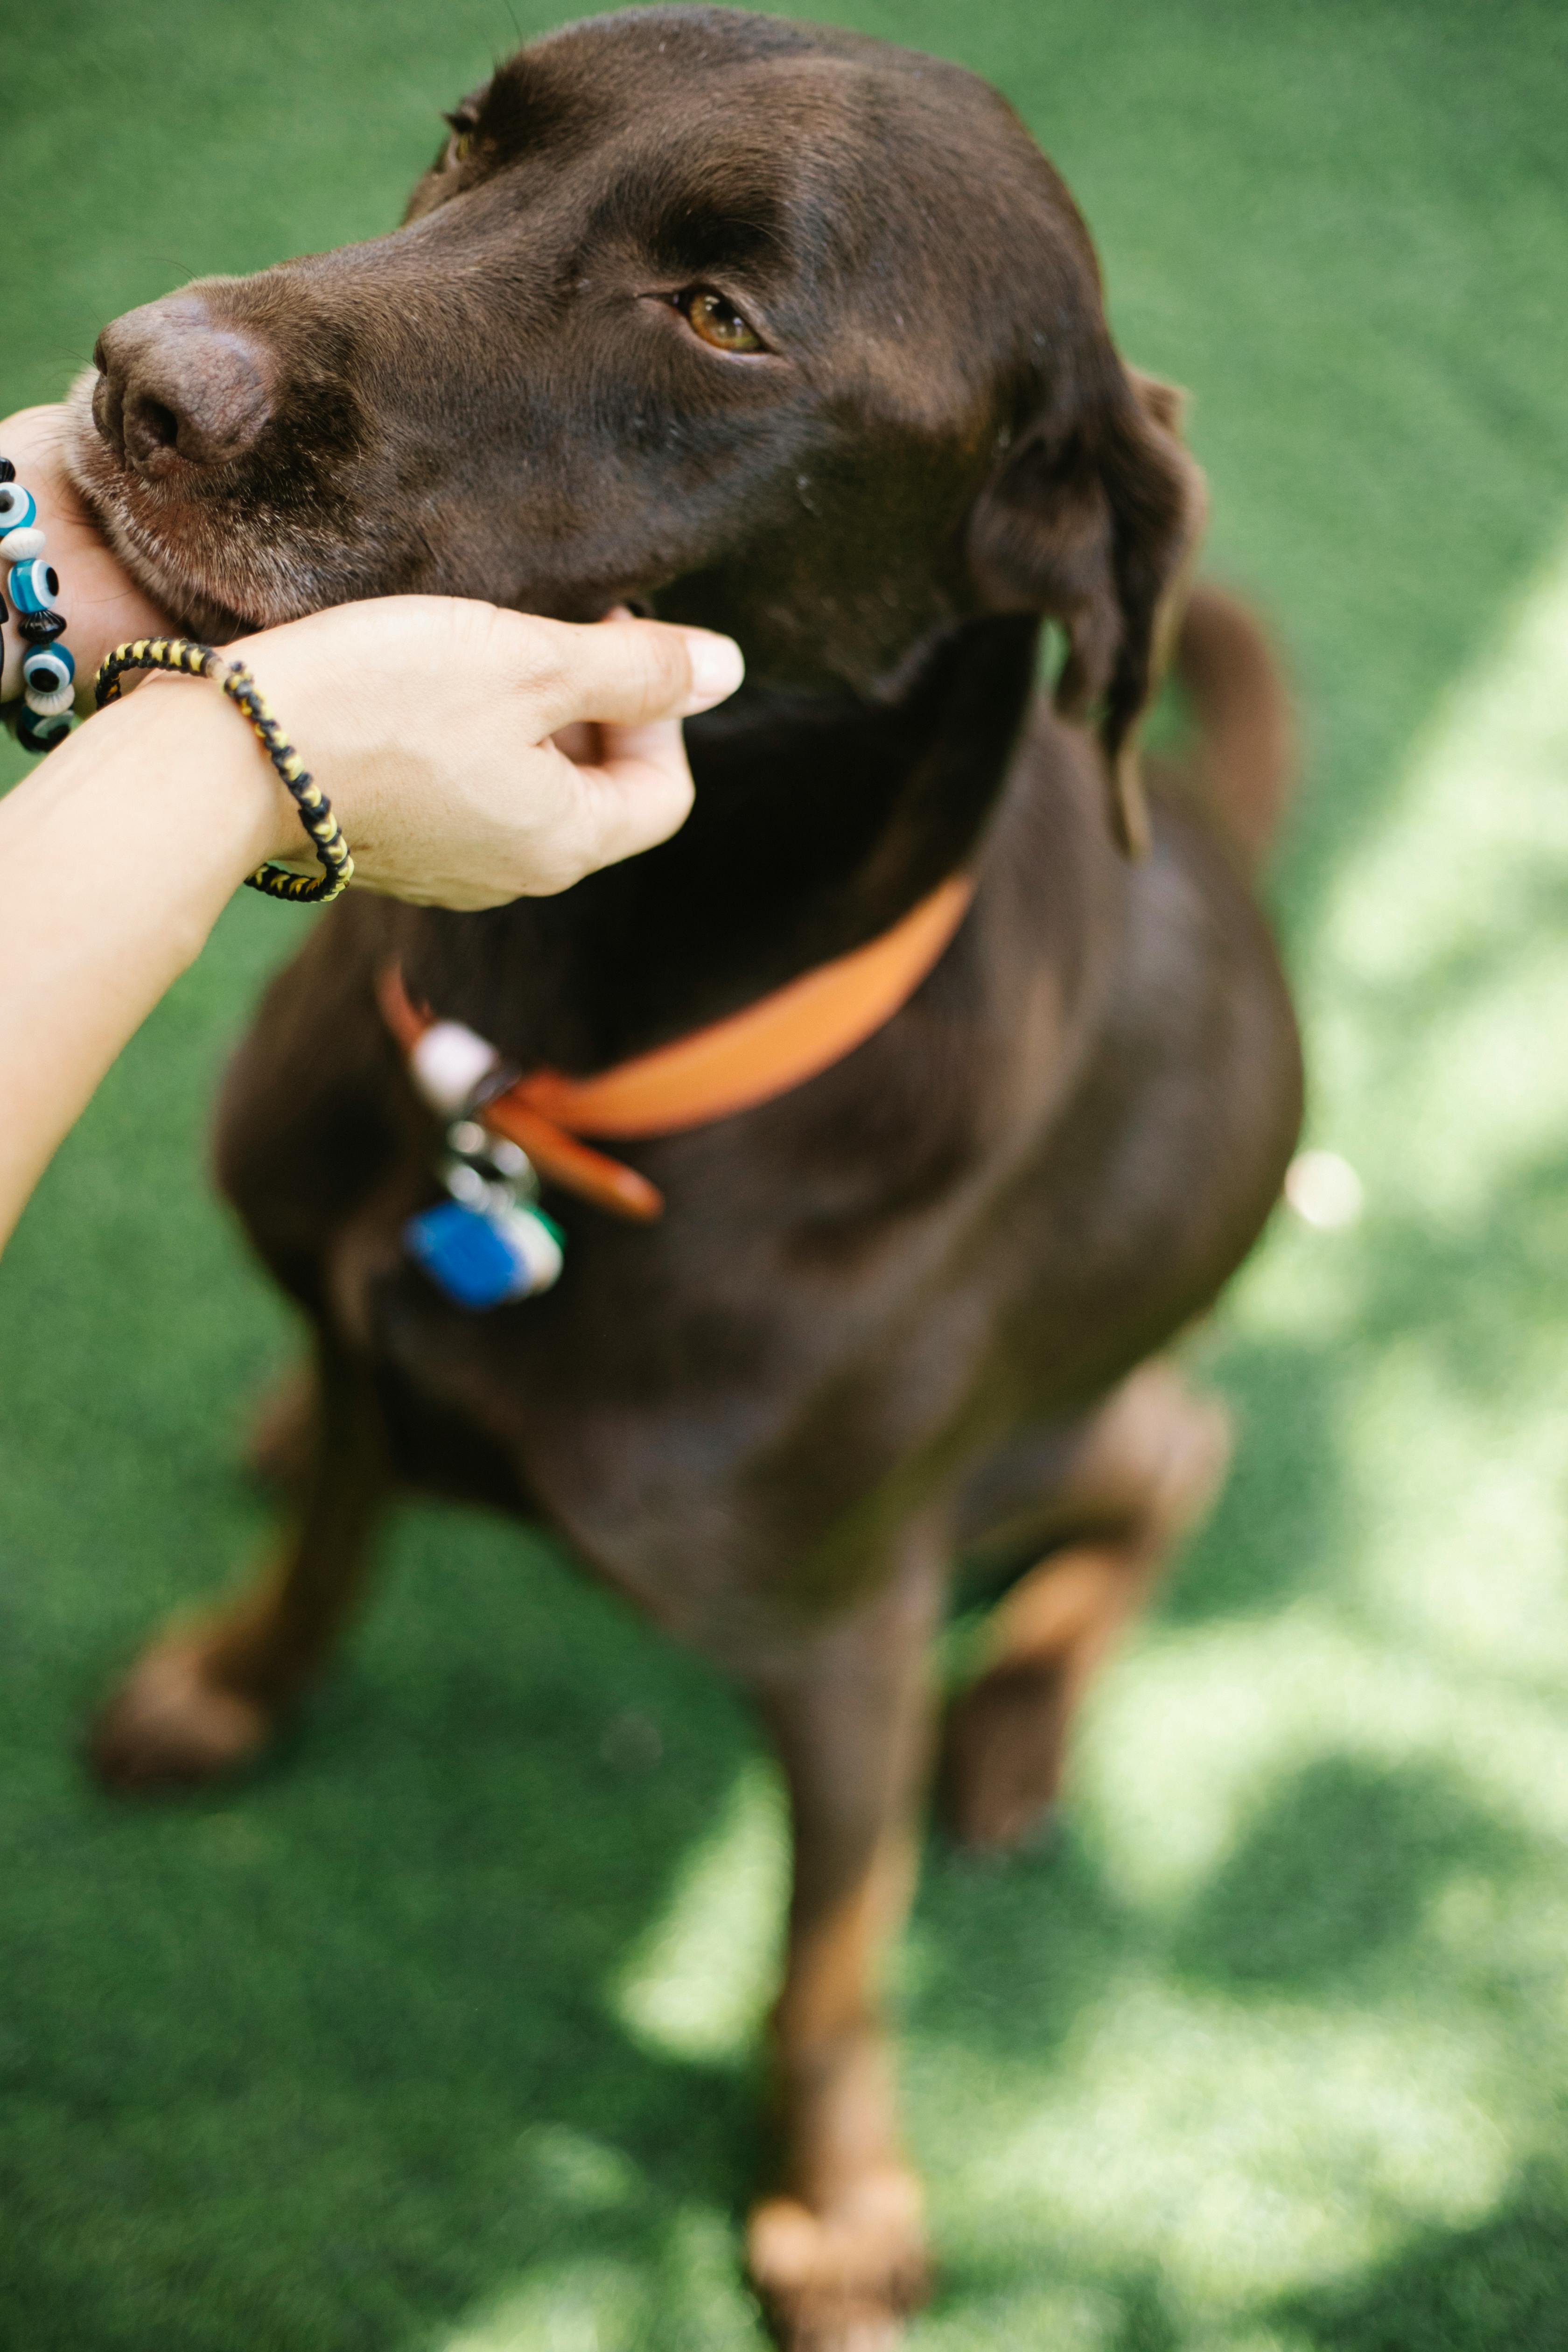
175 385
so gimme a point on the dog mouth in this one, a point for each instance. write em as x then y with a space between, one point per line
194 611
216 579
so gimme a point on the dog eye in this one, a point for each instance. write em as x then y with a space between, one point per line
717 321
461 142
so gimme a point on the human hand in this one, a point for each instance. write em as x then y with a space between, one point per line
103 605
435 725
472 755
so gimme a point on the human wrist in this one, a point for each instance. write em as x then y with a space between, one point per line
330 718
201 767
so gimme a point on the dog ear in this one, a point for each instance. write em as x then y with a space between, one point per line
1089 520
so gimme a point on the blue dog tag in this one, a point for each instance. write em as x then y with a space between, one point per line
484 1257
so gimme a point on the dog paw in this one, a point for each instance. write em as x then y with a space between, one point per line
842 2281
171 1724
1002 1755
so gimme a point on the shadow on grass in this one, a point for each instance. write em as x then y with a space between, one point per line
317 2062
1502 2285
1011 1951
1278 1527
1335 1877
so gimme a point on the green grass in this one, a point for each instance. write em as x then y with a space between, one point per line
436 2038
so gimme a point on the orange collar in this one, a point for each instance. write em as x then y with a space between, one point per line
750 1058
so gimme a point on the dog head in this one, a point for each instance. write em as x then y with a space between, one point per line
737 320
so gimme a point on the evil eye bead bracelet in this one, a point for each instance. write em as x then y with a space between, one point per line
32 585
43 715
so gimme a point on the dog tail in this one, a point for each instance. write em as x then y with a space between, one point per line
1239 769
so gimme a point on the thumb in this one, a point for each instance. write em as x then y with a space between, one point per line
628 673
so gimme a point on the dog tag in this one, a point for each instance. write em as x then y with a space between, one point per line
485 1256
487 1243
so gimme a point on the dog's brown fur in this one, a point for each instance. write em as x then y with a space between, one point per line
912 1307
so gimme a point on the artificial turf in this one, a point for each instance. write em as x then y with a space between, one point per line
438 2036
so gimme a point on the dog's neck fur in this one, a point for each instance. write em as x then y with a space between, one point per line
818 821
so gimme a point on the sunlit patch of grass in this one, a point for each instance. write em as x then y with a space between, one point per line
1324 1892
698 1980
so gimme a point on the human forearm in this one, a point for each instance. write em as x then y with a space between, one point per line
470 755
116 859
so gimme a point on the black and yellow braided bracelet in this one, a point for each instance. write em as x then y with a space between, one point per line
188 660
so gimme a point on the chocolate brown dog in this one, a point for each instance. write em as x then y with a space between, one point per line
796 335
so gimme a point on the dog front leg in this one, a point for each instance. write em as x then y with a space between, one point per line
205 1697
839 2255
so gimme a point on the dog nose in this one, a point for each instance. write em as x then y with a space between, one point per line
174 383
